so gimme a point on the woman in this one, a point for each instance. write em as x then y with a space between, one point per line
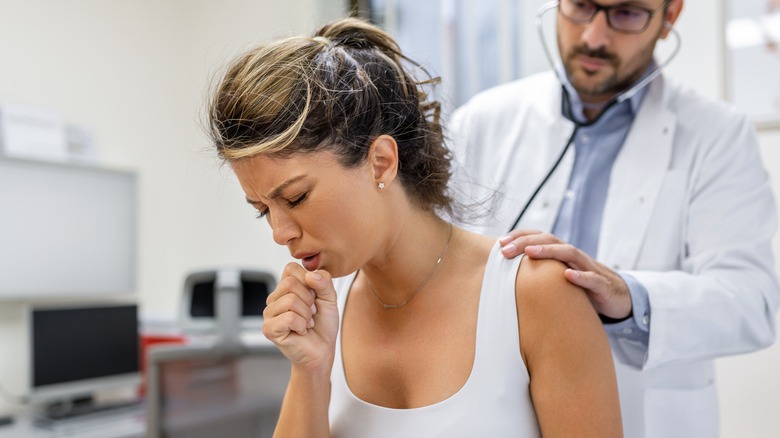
429 331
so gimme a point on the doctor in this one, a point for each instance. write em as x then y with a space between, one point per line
654 197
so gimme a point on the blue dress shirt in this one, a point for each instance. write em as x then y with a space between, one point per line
579 219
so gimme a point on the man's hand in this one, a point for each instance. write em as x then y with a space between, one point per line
605 288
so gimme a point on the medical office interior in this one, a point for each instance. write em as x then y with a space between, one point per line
116 216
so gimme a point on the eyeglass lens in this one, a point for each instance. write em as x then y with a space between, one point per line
625 18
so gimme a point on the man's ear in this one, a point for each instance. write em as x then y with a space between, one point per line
383 159
671 15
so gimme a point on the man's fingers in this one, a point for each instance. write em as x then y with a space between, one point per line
514 234
520 240
590 281
562 252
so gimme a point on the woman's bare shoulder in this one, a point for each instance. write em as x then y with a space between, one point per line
537 276
544 294
567 354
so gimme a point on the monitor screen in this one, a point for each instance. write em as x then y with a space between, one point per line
77 350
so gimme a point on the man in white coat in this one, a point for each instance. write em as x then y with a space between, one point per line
662 208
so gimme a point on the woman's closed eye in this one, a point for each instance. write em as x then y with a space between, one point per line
292 203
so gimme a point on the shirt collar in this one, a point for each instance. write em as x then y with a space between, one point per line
577 106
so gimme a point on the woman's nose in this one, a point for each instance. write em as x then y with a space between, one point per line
284 228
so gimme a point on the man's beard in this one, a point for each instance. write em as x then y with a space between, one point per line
611 85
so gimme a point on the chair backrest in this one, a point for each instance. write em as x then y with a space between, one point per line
224 301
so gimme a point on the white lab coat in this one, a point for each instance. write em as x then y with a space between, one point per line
689 213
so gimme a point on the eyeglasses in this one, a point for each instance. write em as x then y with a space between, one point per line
622 17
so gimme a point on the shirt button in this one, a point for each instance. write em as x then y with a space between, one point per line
616 266
585 138
627 330
646 319
545 204
569 194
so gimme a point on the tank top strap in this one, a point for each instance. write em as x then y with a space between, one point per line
498 339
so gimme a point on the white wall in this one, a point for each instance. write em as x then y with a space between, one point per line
135 74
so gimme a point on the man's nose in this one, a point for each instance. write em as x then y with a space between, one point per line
596 33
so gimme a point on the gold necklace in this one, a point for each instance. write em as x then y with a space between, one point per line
419 288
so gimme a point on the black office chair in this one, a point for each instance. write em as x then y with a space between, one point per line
224 301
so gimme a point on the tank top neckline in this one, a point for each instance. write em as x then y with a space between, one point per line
474 367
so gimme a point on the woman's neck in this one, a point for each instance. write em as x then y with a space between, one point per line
414 256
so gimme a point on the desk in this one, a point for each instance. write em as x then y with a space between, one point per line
245 388
115 425
207 390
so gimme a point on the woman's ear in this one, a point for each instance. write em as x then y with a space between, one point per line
383 159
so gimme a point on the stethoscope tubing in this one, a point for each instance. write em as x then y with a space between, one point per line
618 98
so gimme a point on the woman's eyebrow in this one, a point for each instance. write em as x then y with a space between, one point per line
276 192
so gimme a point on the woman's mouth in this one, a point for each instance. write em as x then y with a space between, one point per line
311 262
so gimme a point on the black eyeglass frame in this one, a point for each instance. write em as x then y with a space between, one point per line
598 8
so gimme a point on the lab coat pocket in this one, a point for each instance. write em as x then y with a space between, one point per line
684 413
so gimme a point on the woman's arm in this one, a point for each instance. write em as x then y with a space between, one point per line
301 318
564 346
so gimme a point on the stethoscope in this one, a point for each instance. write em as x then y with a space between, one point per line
618 98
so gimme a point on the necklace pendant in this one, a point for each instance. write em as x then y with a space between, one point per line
386 306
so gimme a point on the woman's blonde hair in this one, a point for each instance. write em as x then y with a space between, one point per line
337 91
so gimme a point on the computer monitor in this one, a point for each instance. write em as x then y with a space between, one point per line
79 349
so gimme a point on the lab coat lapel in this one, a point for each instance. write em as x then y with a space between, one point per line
552 134
636 180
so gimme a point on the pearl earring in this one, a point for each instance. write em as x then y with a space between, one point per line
381 185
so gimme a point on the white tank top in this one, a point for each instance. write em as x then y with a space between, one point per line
495 400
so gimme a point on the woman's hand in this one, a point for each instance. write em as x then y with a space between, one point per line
301 317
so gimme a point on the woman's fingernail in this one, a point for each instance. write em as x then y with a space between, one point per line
506 239
509 249
317 275
311 323
313 309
